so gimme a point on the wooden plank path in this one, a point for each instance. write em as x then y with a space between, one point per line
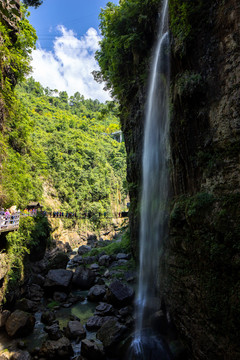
10 222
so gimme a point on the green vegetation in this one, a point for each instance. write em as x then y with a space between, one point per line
184 18
115 247
78 156
31 239
128 32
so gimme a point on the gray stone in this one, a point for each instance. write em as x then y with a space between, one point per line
111 333
94 267
77 260
84 249
35 293
3 317
122 256
96 322
53 331
92 350
104 309
119 294
56 349
96 293
104 260
27 305
19 323
75 330
58 280
48 317
84 278
20 355
59 296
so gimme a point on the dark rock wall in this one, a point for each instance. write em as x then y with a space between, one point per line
200 269
201 266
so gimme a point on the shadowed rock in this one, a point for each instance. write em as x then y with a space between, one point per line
58 280
19 323
92 350
75 330
96 293
55 350
84 278
119 294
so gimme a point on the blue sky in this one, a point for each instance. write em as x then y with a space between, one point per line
68 37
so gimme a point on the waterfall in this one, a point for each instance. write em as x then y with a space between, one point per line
155 184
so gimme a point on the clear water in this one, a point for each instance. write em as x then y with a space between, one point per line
155 186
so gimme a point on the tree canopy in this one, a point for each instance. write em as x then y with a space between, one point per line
128 32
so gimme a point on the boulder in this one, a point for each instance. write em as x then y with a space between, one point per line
122 262
20 323
20 355
56 349
111 333
96 322
59 296
104 260
84 278
104 309
84 249
94 266
58 261
53 331
27 305
126 311
89 260
48 317
96 293
35 293
58 280
38 279
92 350
3 317
77 260
122 256
119 294
75 330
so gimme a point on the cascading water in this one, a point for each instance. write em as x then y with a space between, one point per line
155 189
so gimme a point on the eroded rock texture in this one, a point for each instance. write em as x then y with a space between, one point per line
200 269
201 266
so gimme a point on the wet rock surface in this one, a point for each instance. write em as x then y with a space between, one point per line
119 294
60 289
19 323
84 278
57 280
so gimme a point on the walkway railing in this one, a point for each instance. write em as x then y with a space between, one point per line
9 222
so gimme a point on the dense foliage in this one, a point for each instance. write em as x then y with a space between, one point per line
79 157
34 3
17 181
127 31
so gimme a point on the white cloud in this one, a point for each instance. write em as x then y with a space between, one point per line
69 66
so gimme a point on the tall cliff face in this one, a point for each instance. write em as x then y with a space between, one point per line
201 262
201 266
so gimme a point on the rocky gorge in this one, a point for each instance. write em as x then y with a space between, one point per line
199 270
42 323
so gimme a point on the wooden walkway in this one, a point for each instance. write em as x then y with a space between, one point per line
9 223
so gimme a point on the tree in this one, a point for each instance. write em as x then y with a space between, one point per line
34 3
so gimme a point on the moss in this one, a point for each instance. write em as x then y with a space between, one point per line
188 84
185 207
185 17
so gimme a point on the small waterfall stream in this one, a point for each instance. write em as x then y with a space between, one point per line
155 186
